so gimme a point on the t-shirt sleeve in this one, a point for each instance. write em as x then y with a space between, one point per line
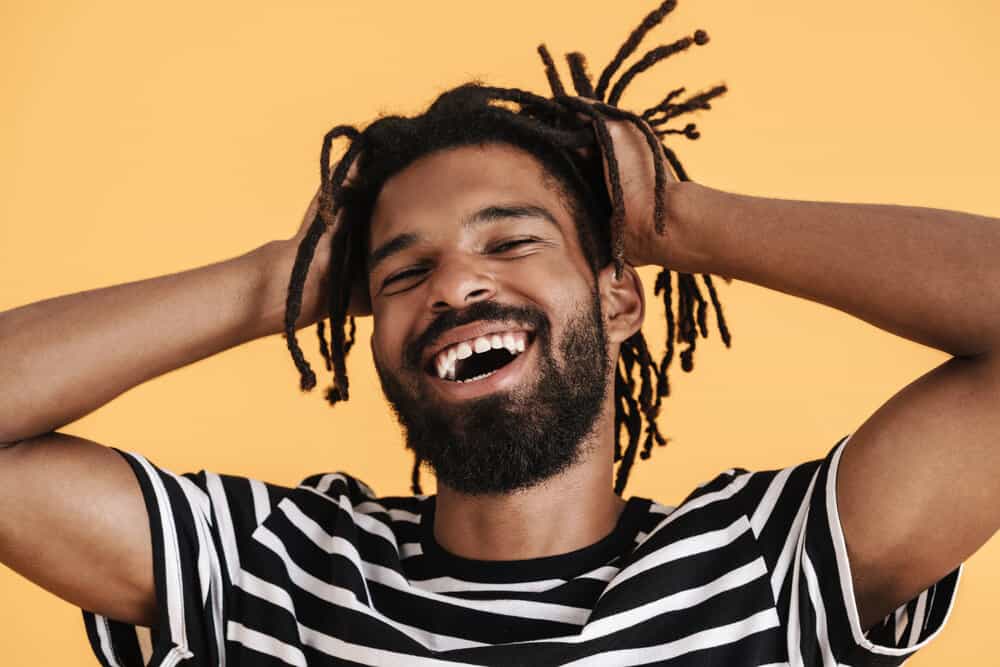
794 514
190 570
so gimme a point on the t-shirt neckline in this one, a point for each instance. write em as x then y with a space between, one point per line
569 564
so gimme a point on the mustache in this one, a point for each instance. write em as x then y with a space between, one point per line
480 311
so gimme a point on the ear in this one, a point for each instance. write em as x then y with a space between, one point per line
623 302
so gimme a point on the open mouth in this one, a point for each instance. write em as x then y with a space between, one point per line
478 358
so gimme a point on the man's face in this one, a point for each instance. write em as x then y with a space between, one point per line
488 335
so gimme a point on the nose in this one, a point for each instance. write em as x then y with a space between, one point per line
458 282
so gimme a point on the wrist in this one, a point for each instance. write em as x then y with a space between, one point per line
273 263
692 233
269 305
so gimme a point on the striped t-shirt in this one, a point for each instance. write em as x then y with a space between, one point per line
750 569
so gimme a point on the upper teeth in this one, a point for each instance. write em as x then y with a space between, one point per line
514 341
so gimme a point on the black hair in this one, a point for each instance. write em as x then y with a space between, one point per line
555 130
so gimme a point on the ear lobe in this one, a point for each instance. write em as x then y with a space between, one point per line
623 302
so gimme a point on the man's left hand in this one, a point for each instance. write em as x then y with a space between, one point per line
643 245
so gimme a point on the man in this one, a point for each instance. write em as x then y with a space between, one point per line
526 555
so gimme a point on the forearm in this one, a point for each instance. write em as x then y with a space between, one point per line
64 357
928 275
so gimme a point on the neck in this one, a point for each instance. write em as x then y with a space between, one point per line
564 513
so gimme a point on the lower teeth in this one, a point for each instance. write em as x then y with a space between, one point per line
478 377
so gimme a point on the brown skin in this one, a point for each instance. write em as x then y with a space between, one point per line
459 264
928 275
56 364
65 357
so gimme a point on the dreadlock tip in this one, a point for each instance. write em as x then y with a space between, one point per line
700 37
691 131
333 395
687 363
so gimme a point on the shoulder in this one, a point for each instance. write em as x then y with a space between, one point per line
754 490
354 501
755 499
339 484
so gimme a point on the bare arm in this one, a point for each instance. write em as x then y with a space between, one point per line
63 358
917 483
72 517
928 275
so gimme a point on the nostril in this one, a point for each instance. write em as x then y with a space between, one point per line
475 294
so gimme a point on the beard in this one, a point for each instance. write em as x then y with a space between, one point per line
513 439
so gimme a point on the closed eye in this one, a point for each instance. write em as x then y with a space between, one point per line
402 275
510 245
411 275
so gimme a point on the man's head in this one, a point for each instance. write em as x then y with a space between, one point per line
493 324
490 211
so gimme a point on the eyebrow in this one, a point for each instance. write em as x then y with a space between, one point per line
488 214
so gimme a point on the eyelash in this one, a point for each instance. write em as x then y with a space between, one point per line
500 247
400 276
513 243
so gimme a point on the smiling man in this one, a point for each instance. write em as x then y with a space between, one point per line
495 251
489 339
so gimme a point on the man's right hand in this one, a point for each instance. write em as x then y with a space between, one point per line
316 292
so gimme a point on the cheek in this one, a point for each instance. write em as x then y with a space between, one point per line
381 345
551 279
388 335
558 291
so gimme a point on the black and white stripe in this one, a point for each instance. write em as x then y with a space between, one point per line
750 569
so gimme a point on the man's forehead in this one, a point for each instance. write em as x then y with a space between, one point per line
455 184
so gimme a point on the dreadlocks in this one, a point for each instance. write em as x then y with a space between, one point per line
554 130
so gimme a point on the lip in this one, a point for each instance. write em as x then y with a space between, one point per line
502 379
468 332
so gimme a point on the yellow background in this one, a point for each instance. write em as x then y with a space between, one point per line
141 139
